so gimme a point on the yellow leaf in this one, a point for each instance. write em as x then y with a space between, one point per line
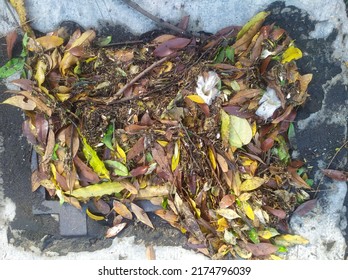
290 240
254 128
194 206
97 190
290 54
50 42
248 210
167 66
212 157
225 127
162 143
222 162
255 19
196 98
40 72
68 60
120 153
21 102
94 161
63 96
252 184
275 257
85 39
240 132
268 233
176 156
93 216
222 224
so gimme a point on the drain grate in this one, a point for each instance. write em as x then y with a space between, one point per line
72 221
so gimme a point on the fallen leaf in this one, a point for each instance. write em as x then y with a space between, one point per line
122 210
137 149
168 216
261 249
288 240
276 212
118 168
141 215
50 42
101 206
211 156
254 20
113 231
240 132
222 162
305 207
290 54
252 184
196 98
97 190
93 216
248 210
21 102
176 156
150 253
268 233
85 172
227 213
335 174
11 38
227 200
170 46
93 160
14 65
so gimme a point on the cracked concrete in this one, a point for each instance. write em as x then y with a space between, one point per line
320 29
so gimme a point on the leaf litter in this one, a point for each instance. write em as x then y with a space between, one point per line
199 128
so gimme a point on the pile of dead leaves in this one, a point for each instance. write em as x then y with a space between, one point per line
199 128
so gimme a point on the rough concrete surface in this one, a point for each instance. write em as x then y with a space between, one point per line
320 28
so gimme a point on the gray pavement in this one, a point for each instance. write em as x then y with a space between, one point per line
320 28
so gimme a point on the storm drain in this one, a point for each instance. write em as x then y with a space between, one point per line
72 221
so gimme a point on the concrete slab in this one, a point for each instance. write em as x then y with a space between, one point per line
320 29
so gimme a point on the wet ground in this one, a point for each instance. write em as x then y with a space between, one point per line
321 128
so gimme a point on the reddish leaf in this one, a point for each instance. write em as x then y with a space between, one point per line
135 128
29 132
170 46
296 163
11 38
236 111
23 84
85 173
183 24
101 206
243 95
335 174
306 207
61 180
276 212
296 179
265 64
267 144
137 149
227 201
164 167
140 170
163 38
261 249
146 120
41 125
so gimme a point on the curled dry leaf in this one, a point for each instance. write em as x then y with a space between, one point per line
11 38
113 231
141 215
170 46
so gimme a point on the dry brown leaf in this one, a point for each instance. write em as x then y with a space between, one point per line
122 210
261 249
150 253
113 231
21 102
137 149
11 38
306 207
141 215
336 174
50 42
85 172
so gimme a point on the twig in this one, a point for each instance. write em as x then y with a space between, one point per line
329 164
124 43
159 21
112 99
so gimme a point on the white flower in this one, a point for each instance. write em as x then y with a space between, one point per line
269 103
206 87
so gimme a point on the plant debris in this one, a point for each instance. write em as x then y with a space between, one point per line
199 128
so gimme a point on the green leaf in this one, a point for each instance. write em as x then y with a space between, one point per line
253 236
11 67
220 56
119 168
282 150
230 53
240 132
102 42
94 161
254 20
97 190
107 139
54 153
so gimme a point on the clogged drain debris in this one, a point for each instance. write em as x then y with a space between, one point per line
200 128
